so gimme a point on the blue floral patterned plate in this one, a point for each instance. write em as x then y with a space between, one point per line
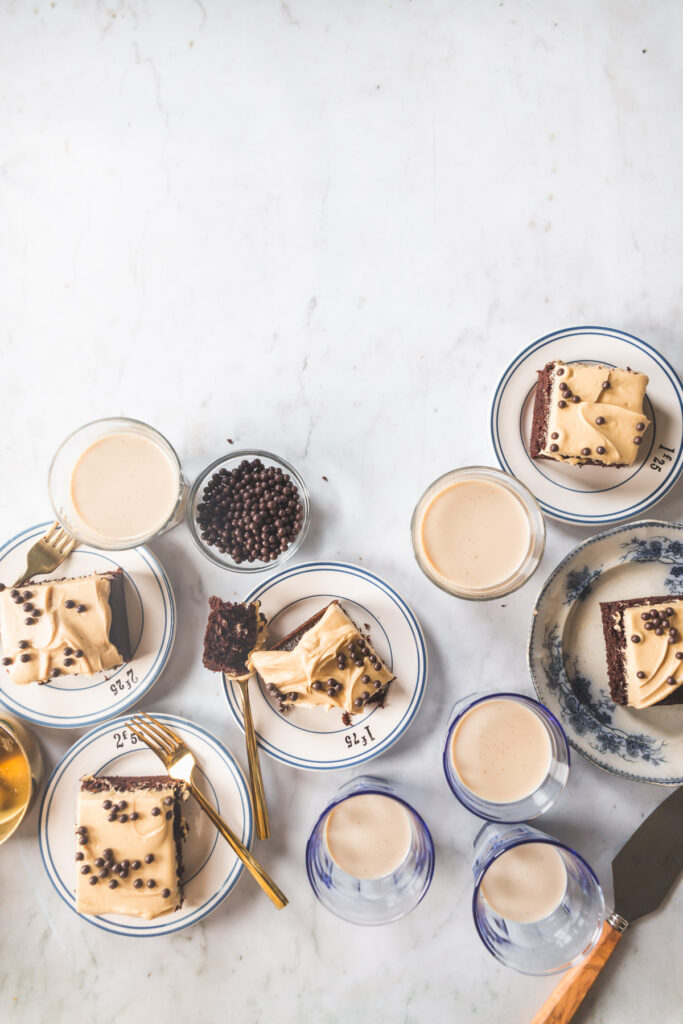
567 651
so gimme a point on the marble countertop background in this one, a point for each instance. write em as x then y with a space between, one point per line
324 227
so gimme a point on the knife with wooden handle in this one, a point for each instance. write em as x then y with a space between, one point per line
643 871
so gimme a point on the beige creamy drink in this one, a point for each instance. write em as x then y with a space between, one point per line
501 751
124 485
474 534
368 835
526 883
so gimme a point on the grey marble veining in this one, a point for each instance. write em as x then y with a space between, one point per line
324 229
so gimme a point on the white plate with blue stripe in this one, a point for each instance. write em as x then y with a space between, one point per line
590 494
70 702
211 869
315 739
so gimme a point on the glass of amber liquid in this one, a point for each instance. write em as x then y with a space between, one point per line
21 769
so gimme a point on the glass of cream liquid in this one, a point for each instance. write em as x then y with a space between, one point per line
21 769
506 757
370 856
478 533
117 483
537 905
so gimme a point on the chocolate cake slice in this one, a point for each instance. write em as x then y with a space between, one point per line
128 853
69 626
324 663
586 414
233 632
644 647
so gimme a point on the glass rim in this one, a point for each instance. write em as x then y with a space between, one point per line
537 527
446 758
94 540
199 482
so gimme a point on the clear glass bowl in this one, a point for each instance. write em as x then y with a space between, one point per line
370 901
535 521
28 746
542 798
68 454
229 462
555 942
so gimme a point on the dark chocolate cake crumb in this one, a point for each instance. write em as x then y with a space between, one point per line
231 635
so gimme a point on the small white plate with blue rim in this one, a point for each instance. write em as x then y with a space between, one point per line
590 494
70 702
313 738
567 658
211 869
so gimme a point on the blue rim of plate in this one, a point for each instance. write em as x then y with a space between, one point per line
169 926
589 754
630 339
420 682
155 670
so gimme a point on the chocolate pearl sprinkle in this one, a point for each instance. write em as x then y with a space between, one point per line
641 675
331 692
80 855
85 870
29 621
125 864
149 859
156 811
637 440
138 883
22 645
365 679
316 685
165 893
554 435
585 451
357 703
169 815
601 449
292 696
14 593
103 873
668 611
600 420
560 371
99 863
605 385
25 657
28 607
554 447
68 661
659 631
134 815
377 684
649 625
150 883
135 865
564 386
112 816
635 638
679 655
68 651
168 800
640 426
576 399
562 404
671 680
78 653
113 884
123 818
93 880
107 805
69 603
7 661
80 609
81 830
108 853
332 682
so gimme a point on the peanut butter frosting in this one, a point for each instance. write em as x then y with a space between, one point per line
132 831
332 666
61 628
653 659
606 424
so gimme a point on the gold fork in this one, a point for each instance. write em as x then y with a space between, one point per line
47 553
180 763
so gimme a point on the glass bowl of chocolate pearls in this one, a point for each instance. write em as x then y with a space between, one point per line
248 511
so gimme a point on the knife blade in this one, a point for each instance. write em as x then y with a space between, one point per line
650 861
644 871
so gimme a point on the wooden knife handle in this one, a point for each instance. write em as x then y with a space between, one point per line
567 996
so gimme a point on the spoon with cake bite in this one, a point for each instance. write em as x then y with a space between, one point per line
233 633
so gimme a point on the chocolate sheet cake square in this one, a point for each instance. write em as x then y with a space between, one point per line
74 626
232 633
128 845
644 647
586 414
325 663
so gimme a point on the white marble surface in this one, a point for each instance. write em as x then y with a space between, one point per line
323 227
